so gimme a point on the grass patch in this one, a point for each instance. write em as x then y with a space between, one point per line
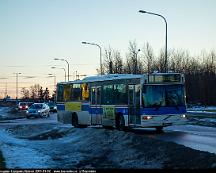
2 161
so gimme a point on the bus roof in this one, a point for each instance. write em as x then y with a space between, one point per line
108 77
101 78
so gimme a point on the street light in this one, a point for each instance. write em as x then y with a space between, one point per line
17 84
60 68
5 85
67 64
141 11
53 75
100 53
136 53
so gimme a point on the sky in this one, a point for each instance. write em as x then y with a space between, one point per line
34 32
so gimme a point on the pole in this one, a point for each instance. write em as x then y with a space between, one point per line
166 65
17 84
101 70
67 64
68 69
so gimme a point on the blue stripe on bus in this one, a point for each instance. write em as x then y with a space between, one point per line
60 107
96 110
85 107
164 110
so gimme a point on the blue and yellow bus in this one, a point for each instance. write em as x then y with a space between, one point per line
123 100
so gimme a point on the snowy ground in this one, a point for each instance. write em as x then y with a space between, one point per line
54 145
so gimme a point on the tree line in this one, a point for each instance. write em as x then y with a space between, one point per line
36 93
199 70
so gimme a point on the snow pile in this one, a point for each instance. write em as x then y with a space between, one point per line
18 154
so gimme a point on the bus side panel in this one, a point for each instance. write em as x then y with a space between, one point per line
84 117
96 118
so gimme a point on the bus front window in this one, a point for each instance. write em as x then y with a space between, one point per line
163 95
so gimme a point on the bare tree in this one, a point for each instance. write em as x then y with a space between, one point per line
148 57
113 61
34 91
133 63
25 93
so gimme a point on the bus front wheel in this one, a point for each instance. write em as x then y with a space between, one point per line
159 129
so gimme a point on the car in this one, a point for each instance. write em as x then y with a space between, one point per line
52 106
39 110
23 106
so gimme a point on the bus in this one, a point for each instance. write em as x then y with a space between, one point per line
123 101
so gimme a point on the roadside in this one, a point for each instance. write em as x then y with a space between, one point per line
57 146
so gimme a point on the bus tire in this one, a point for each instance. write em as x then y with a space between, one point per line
74 120
159 129
120 124
108 127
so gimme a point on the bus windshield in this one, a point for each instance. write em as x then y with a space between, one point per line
163 96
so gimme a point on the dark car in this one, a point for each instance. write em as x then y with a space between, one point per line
52 106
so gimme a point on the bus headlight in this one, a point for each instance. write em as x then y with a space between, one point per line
183 116
147 117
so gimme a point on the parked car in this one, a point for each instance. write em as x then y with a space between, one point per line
38 110
52 106
23 106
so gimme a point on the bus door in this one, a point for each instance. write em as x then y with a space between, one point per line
96 116
134 104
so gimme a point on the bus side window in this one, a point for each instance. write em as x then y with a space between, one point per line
99 95
107 96
67 92
76 92
93 96
85 92
60 93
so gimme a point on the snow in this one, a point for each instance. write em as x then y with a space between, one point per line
18 154
45 143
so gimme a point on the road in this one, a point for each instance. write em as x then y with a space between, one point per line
196 137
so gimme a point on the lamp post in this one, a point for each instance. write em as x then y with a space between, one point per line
53 75
5 86
60 68
100 53
141 11
67 64
17 74
136 54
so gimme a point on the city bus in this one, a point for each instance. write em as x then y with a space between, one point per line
123 101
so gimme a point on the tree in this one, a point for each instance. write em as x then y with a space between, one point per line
148 57
113 62
41 94
46 94
25 93
34 91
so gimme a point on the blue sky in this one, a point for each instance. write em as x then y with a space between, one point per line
34 32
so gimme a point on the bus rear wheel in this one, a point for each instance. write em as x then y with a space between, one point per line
74 120
120 124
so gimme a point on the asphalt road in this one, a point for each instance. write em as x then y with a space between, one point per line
196 137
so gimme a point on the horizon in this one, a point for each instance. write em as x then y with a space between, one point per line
33 33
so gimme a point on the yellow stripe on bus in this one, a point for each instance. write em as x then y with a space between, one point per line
73 106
